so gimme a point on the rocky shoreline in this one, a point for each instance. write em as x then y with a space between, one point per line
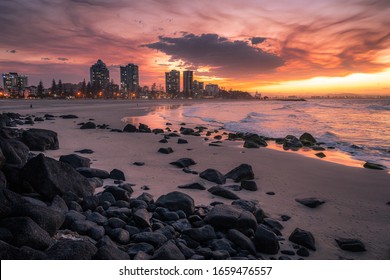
49 208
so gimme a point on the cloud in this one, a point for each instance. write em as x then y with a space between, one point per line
11 51
225 57
62 58
257 40
45 58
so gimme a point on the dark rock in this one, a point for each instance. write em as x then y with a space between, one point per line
76 161
350 244
318 148
168 251
14 152
110 253
303 238
163 141
88 125
182 141
49 178
148 198
142 256
69 116
95 182
48 219
157 131
90 203
183 162
38 119
153 238
241 240
201 234
177 201
71 217
270 193
72 250
119 235
85 151
285 218
230 217
27 233
181 225
140 247
9 252
249 185
193 186
245 205
249 144
220 255
307 139
142 218
376 166
167 150
116 222
186 131
119 193
107 197
266 241
287 252
96 218
5 235
291 142
320 155
93 172
73 205
310 202
213 175
130 128
303 252
40 139
242 172
223 192
144 128
139 163
117 174
273 224
173 135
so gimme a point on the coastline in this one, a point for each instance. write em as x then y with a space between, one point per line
355 198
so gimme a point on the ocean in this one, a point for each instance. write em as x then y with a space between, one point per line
359 128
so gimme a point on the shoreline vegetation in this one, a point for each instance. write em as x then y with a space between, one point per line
77 185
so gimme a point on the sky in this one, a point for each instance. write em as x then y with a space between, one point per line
273 47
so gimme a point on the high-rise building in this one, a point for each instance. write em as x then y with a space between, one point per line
197 87
212 89
172 82
14 84
188 82
129 78
99 74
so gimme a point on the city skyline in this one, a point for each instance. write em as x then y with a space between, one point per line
280 47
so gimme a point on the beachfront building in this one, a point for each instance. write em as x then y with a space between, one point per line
129 79
100 75
188 83
212 89
197 88
172 82
14 84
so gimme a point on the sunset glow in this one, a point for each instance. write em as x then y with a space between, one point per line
274 47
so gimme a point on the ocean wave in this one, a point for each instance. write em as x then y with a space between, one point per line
379 108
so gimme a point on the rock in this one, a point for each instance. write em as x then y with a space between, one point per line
158 131
144 128
182 141
130 128
303 238
376 166
249 185
193 186
167 150
5 235
241 240
142 218
95 182
164 141
139 163
27 233
116 223
307 139
49 178
93 172
303 252
270 193
213 175
351 244
48 219
230 217
13 152
310 202
245 205
291 142
72 250
168 251
106 197
249 144
88 125
148 198
320 155
266 241
285 218
40 139
117 174
9 252
223 192
110 253
142 256
119 193
177 201
153 238
318 148
76 161
119 235
140 247
242 172
183 162
85 151
69 116
96 218
201 234
186 131
71 217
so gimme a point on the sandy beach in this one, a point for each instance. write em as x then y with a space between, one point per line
355 198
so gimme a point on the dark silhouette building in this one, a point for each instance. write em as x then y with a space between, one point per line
172 82
129 78
100 75
188 77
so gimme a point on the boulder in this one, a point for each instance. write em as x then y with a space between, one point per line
130 128
49 178
193 186
291 142
117 174
230 217
157 131
154 238
249 144
27 233
223 192
351 244
168 251
241 240
249 185
72 250
310 202
93 172
119 193
140 247
166 151
119 235
303 238
144 128
183 162
182 141
186 131
76 161
14 152
177 201
142 218
376 166
213 175
110 253
40 139
201 234
307 139
245 205
241 172
320 155
266 241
